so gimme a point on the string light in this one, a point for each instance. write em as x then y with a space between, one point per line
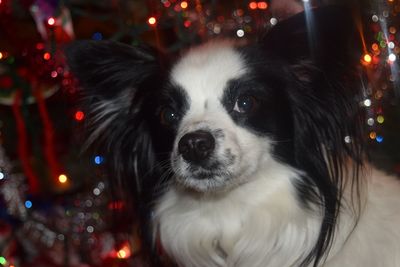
79 115
62 178
253 5
51 21
3 260
2 175
380 119
262 5
184 4
46 56
392 57
28 204
1 55
152 20
367 102
372 135
379 138
98 160
367 58
124 252
240 33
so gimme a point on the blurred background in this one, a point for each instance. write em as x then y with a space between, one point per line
55 206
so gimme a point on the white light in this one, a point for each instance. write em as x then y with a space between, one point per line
90 229
1 176
367 102
392 57
375 18
347 139
273 21
240 33
370 121
96 191
391 45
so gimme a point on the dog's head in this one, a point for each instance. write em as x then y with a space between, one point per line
222 114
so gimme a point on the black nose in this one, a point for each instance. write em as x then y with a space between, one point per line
196 146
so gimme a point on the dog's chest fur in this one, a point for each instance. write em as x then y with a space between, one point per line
252 225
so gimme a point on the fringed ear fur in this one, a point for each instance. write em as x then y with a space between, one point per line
324 98
116 81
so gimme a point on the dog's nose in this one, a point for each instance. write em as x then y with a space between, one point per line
196 146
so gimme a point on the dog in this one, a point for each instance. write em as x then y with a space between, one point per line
245 155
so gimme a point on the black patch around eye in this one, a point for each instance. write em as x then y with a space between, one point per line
172 105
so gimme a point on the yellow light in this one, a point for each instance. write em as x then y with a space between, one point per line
1 55
62 178
184 4
367 58
380 119
121 254
372 135
152 20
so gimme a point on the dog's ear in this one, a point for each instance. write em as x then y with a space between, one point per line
115 80
321 49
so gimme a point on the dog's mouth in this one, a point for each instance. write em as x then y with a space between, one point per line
203 179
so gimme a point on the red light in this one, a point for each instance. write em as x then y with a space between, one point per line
152 20
79 115
187 23
167 4
46 56
51 21
253 5
262 5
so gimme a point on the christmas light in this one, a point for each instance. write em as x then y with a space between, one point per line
253 5
367 58
2 176
152 21
240 33
392 57
1 55
98 160
79 115
379 138
51 21
273 21
124 252
28 204
46 56
380 119
3 260
372 135
54 74
370 121
367 102
62 178
262 5
184 4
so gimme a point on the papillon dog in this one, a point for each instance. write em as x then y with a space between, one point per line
245 155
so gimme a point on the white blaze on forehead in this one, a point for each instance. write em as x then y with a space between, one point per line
204 72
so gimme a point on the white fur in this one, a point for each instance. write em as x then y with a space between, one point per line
257 221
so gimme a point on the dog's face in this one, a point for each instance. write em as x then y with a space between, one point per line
226 117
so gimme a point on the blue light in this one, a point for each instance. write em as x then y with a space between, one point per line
98 160
28 204
379 139
97 36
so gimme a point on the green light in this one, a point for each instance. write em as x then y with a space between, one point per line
3 261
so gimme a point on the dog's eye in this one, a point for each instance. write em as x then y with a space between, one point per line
245 104
168 116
